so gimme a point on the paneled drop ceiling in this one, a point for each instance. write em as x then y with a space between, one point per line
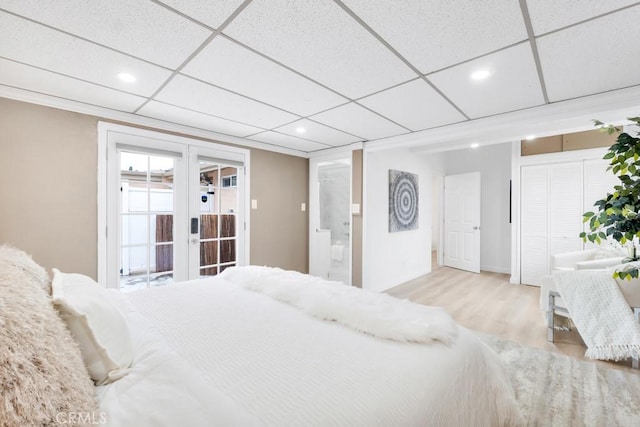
308 75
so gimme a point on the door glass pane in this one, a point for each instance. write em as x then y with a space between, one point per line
164 258
227 251
208 271
227 225
208 253
224 267
208 226
134 229
229 190
146 219
134 267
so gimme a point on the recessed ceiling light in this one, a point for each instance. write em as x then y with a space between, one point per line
301 129
475 145
530 137
480 74
126 77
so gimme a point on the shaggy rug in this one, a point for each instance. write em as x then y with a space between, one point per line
557 390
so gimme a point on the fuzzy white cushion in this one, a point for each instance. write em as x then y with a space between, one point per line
97 324
42 378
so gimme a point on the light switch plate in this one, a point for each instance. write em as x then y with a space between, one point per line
303 207
355 208
254 204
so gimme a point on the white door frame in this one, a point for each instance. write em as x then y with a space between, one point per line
314 207
110 134
439 176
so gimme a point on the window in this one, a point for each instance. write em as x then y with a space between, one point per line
230 181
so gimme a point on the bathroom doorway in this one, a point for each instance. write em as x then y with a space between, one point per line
330 220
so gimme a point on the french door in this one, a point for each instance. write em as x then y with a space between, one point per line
173 210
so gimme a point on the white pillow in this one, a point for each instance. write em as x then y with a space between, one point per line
97 324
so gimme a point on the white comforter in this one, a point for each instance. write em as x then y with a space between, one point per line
229 356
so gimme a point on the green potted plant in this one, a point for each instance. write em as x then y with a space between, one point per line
617 216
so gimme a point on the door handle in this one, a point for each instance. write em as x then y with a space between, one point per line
475 227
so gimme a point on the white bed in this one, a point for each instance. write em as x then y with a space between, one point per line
211 352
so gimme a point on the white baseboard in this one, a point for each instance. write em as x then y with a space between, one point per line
495 269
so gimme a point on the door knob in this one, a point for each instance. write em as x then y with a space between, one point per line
194 241
475 227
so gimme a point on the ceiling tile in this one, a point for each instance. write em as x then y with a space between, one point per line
37 45
194 95
204 11
287 141
320 40
36 80
590 58
318 132
513 83
415 105
236 68
359 121
438 33
549 15
146 30
173 114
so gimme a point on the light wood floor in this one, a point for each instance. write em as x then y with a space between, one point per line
487 302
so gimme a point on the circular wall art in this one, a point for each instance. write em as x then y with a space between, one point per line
403 201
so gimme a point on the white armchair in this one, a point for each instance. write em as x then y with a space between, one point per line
551 302
590 259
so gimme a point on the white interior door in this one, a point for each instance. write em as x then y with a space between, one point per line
462 221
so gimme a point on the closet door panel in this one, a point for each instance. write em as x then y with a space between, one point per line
558 245
565 200
534 200
534 260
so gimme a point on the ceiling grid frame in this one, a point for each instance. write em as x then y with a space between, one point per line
356 101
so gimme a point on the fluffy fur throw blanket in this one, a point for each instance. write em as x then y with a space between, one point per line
376 314
601 314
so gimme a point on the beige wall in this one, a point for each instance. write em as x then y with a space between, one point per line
48 192
48 184
568 142
279 228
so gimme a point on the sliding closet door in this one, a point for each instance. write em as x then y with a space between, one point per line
534 181
565 207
